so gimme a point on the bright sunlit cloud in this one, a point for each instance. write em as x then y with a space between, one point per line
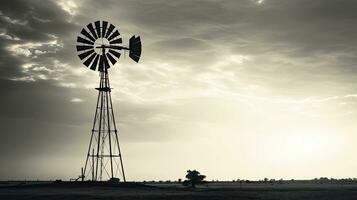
68 6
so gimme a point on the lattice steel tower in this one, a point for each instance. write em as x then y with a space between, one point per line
99 48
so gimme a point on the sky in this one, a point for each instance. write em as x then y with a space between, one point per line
240 89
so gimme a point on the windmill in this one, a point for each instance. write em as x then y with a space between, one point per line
99 48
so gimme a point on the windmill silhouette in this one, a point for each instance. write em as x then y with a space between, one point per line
99 48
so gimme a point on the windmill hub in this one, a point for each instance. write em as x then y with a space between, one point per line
99 47
100 43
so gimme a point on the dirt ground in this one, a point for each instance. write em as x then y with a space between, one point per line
173 192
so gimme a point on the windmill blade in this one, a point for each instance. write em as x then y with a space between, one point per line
135 48
115 53
95 62
85 54
91 29
89 60
111 58
116 41
83 47
104 28
101 63
110 30
82 40
97 27
85 33
115 34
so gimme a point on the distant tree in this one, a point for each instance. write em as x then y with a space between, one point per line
281 181
193 178
272 181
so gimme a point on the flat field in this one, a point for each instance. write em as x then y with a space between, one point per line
172 191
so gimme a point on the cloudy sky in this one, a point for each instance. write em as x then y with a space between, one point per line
235 89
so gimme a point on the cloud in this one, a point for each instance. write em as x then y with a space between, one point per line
207 67
242 48
76 100
68 6
182 45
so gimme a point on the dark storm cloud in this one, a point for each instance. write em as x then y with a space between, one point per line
35 20
310 27
284 36
35 23
242 26
30 26
293 27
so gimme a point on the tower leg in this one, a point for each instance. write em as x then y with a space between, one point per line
82 174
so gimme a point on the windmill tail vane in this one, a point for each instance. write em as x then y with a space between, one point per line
135 48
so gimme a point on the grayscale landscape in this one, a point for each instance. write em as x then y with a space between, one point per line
178 99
